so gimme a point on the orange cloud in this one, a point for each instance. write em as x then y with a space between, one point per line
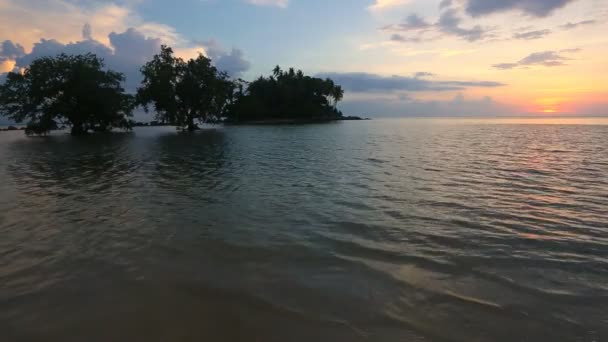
63 21
380 5
7 66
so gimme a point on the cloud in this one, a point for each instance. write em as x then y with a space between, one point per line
87 32
112 30
413 22
132 47
127 52
275 3
360 82
592 108
544 58
531 35
10 50
233 62
423 74
445 4
571 26
52 47
27 21
405 105
6 65
381 5
505 66
537 8
449 23
395 37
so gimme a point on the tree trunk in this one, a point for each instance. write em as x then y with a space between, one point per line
78 129
191 125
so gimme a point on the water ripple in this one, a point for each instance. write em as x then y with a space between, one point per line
382 230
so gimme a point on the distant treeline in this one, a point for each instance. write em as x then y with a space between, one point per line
78 91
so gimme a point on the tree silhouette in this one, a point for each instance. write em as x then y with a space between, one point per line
286 95
73 90
184 92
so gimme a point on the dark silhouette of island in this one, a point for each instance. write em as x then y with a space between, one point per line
79 92
285 96
11 128
150 124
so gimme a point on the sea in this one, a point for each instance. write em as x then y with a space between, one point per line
382 230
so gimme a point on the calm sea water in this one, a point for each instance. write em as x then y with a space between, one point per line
387 230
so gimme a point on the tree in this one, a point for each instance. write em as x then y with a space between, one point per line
287 95
73 90
184 92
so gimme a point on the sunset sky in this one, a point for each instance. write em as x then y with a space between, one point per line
393 57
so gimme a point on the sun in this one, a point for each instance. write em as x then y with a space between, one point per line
550 105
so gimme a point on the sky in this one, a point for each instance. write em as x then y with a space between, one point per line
393 57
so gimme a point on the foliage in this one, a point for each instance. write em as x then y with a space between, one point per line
183 92
74 90
286 95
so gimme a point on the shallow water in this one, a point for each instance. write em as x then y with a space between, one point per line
387 230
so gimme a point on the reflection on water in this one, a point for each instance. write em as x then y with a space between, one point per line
397 230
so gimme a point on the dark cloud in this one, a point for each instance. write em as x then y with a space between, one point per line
396 37
451 20
10 51
449 23
233 62
404 105
423 74
412 23
571 26
51 47
445 3
406 97
133 47
544 58
538 8
365 82
127 52
87 32
456 85
531 35
505 66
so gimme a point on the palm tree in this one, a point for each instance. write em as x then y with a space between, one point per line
277 72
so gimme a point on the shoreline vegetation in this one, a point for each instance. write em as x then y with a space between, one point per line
79 92
262 122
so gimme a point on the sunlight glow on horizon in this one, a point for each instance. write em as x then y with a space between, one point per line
403 56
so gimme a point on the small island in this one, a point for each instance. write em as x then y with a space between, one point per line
284 97
79 92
